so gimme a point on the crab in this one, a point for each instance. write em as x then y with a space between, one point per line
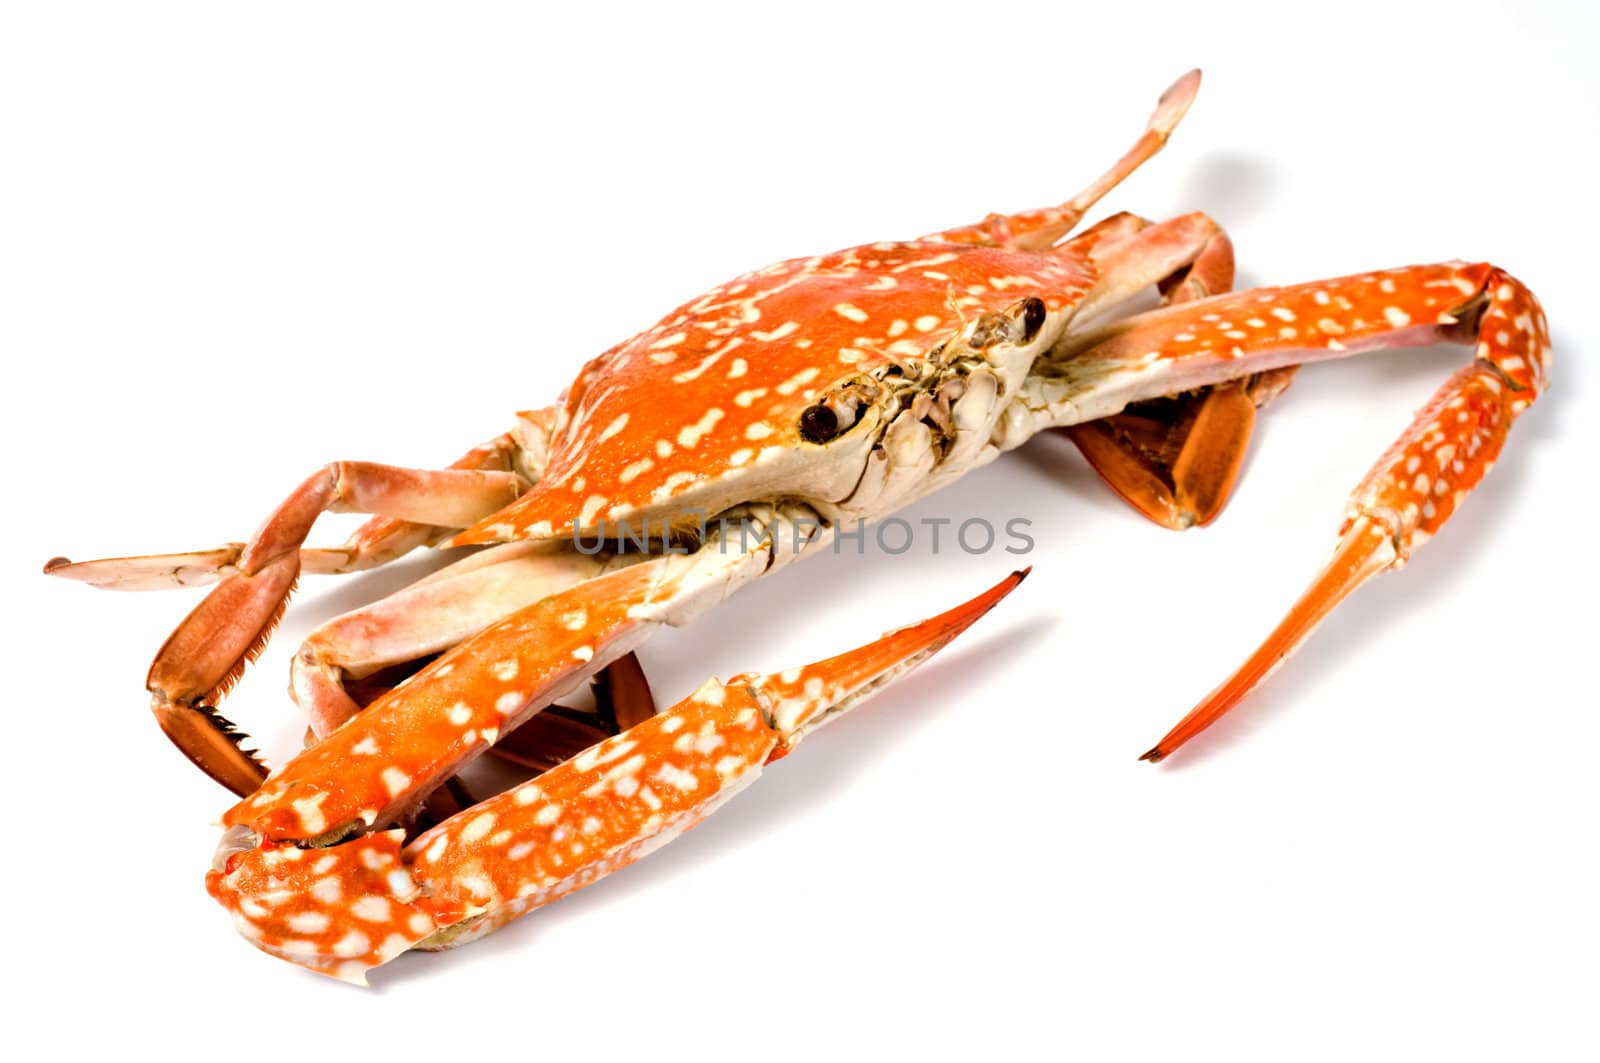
743 431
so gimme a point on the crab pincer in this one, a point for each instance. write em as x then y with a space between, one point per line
343 908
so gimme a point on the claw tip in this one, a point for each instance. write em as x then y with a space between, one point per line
1154 756
55 563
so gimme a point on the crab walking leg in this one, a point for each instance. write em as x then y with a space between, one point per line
624 693
377 542
1174 461
208 651
1190 255
1104 234
344 909
1035 230
1441 456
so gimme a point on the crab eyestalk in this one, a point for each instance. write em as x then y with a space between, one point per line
346 908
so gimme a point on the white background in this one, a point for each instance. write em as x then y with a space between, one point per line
239 242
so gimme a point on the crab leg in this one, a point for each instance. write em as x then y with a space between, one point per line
377 542
1104 234
344 909
1035 230
1174 461
208 651
1189 256
1419 482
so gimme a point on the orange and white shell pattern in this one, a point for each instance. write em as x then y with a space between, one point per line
703 408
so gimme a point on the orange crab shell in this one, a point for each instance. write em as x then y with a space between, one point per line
698 409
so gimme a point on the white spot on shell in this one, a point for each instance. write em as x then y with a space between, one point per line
309 809
677 778
373 909
690 435
477 828
631 472
309 922
785 329
354 943
799 380
694 374
672 483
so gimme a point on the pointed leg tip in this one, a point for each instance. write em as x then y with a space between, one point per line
55 563
980 605
1154 756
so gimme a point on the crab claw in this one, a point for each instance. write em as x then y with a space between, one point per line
345 908
800 700
339 911
631 794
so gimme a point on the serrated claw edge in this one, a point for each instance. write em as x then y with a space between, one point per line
213 744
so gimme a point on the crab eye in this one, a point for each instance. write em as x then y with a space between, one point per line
1017 325
832 416
1033 315
819 423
